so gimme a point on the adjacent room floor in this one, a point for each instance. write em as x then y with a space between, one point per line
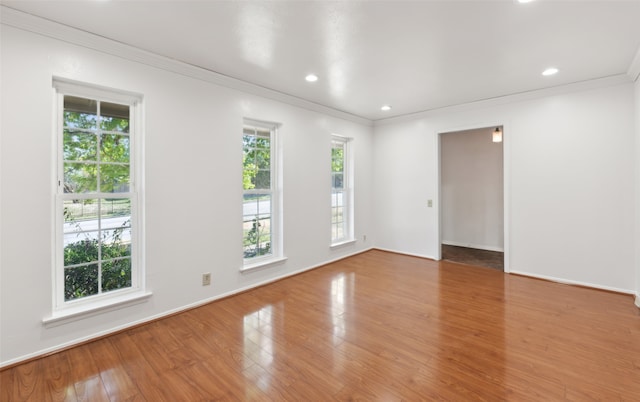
473 256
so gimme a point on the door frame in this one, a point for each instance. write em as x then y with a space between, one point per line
506 184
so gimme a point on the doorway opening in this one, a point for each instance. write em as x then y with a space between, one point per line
472 210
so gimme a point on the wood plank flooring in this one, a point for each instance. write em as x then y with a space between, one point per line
375 327
473 256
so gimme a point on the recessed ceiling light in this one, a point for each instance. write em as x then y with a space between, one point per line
385 108
525 1
550 71
311 78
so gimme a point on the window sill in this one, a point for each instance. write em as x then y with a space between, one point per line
343 244
84 311
263 264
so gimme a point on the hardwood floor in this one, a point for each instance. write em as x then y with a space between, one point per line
377 326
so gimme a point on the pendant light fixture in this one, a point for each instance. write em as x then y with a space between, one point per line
497 135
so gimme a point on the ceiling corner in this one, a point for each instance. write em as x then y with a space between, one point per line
634 68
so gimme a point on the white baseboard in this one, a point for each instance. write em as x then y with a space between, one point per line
578 283
638 300
472 245
78 341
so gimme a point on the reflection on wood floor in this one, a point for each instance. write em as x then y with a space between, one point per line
377 326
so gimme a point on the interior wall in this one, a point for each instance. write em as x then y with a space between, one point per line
193 165
569 182
471 190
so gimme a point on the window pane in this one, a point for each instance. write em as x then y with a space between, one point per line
337 180
337 199
116 274
116 243
114 178
263 142
79 211
337 215
82 249
263 179
263 159
115 212
248 140
80 112
80 177
337 159
115 223
80 281
257 236
79 146
115 117
114 124
256 225
114 148
256 204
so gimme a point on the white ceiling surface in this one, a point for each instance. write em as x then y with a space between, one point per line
415 56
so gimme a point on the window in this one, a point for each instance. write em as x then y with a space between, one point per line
98 236
261 198
341 191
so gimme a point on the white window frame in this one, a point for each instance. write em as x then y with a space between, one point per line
70 310
347 192
276 255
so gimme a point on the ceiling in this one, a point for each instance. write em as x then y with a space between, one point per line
415 56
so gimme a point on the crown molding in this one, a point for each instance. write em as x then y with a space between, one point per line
634 68
603 82
51 29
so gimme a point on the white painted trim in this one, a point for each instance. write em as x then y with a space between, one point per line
155 317
476 246
343 243
262 264
428 257
637 300
51 29
596 83
634 68
438 193
506 184
506 194
572 282
70 315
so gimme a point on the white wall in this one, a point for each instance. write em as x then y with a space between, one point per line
569 171
193 191
471 190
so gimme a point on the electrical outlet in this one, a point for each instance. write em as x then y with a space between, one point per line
430 203
364 238
206 279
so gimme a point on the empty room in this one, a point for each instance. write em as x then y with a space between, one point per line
312 201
